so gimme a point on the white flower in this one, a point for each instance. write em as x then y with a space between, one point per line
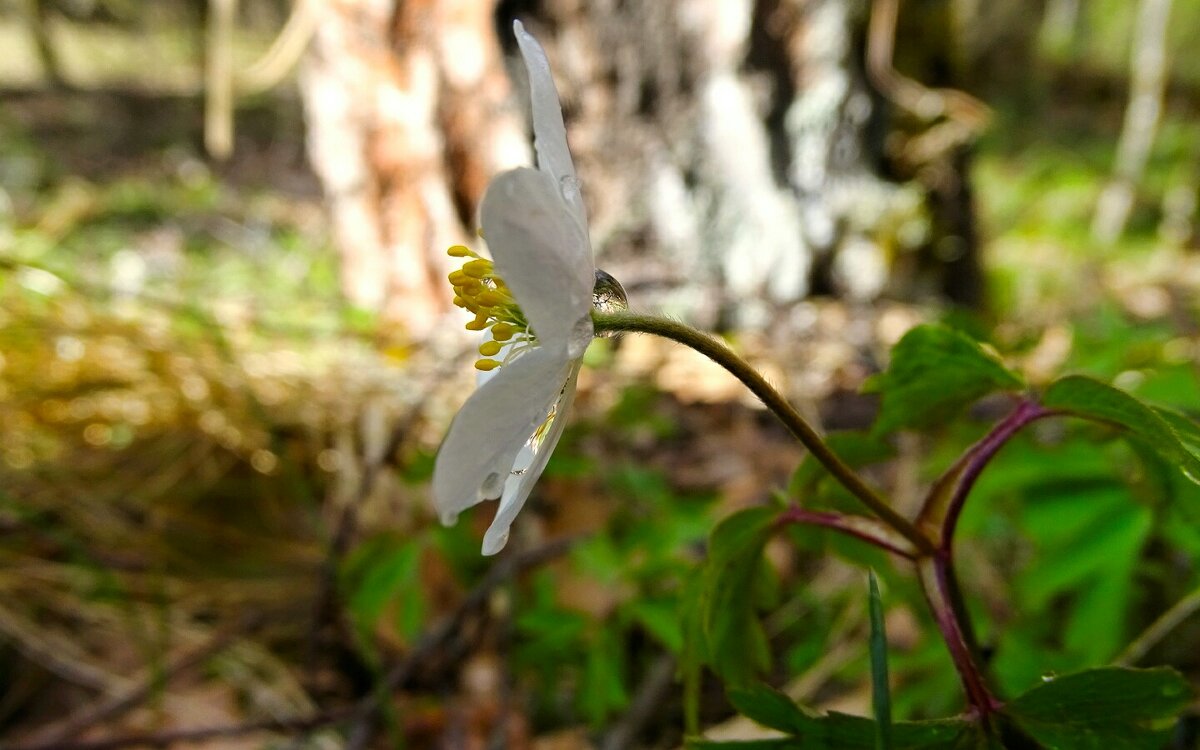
535 303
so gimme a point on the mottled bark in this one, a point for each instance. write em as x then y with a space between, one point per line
731 153
409 113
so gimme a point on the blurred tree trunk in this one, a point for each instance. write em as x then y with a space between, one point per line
1148 87
409 113
731 151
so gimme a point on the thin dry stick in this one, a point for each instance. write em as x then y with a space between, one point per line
114 706
1159 629
642 708
218 79
1147 89
285 52
363 712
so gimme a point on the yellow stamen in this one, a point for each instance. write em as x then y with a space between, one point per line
479 269
479 323
503 331
492 298
478 289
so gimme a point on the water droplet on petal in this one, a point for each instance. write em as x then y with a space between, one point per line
492 486
569 186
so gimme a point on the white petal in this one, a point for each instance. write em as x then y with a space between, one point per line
543 256
493 425
529 465
549 134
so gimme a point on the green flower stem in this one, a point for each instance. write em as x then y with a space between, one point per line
718 352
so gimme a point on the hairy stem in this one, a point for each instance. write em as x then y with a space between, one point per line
725 357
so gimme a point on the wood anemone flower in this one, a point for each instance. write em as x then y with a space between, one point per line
534 300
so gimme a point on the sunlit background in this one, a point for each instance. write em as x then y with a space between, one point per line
227 350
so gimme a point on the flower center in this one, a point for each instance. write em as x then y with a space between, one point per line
478 289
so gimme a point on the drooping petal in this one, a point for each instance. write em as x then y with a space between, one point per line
542 255
477 456
549 133
528 467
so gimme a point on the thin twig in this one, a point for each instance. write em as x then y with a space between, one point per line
365 709
115 706
643 706
1159 629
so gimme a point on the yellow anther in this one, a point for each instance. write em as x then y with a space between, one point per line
471 286
492 298
477 269
458 278
503 331
459 301
460 251
486 365
490 348
479 323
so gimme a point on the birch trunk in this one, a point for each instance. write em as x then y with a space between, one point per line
731 151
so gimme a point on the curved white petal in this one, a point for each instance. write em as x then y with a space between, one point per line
543 256
529 465
549 133
477 456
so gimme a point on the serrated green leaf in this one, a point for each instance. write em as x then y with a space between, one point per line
737 647
1091 399
935 372
1103 709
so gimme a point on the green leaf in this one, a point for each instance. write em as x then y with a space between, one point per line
881 697
934 373
837 731
737 647
855 448
1185 429
661 620
1105 709
602 690
1091 399
771 708
379 575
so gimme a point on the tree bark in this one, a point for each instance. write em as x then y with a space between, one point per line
731 151
409 113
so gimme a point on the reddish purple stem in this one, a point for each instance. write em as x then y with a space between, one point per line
978 456
843 524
